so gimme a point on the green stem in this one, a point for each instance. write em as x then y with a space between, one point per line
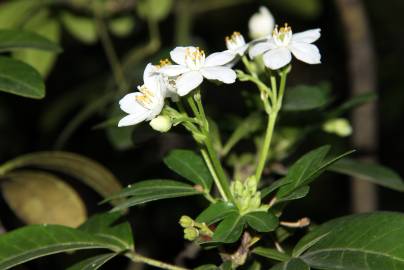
152 262
208 162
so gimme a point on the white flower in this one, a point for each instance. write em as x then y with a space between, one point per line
261 23
277 51
236 44
144 105
153 72
193 67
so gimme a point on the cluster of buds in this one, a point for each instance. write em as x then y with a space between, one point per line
194 230
246 196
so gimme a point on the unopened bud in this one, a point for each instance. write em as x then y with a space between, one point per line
191 233
161 123
237 188
338 126
186 221
251 184
255 201
261 23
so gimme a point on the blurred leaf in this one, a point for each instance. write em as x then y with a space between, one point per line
122 26
365 241
292 264
255 266
227 265
82 28
20 79
18 39
31 242
372 172
109 225
207 267
12 13
271 254
216 212
304 97
90 172
155 10
354 102
152 190
262 221
36 198
190 166
93 263
305 8
230 229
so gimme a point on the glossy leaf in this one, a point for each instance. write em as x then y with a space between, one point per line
19 39
216 212
31 242
190 166
292 264
371 172
152 190
271 254
262 221
364 241
230 229
20 79
93 263
296 194
304 97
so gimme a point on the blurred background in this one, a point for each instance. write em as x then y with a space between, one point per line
106 45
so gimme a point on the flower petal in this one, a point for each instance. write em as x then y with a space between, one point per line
173 70
188 81
218 59
305 52
129 104
223 74
178 55
277 58
149 72
308 36
132 119
261 47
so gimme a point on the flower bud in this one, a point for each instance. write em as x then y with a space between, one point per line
251 184
191 233
255 201
338 126
261 23
186 221
237 188
161 123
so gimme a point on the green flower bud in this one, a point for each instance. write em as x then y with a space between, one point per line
186 221
237 188
338 126
251 184
255 201
191 233
161 123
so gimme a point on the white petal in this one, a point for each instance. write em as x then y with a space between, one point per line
241 51
261 47
308 36
218 59
305 52
158 104
277 58
133 119
178 55
173 70
188 81
129 104
223 74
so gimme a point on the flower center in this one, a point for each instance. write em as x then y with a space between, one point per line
194 58
235 41
146 98
163 63
282 36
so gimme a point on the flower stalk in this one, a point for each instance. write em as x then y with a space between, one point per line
152 262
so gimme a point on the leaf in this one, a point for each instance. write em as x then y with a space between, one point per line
82 28
154 10
271 254
304 97
262 221
122 26
371 172
89 171
109 226
190 166
216 212
292 264
207 267
271 188
296 194
18 39
31 242
35 197
365 241
230 229
93 263
152 190
354 102
13 13
20 79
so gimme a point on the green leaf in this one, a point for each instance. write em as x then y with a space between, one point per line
216 212
93 263
154 10
372 172
292 264
271 188
365 241
230 229
271 254
207 267
296 194
20 79
262 221
122 26
19 39
82 28
304 97
13 13
354 102
190 166
36 241
108 226
152 190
